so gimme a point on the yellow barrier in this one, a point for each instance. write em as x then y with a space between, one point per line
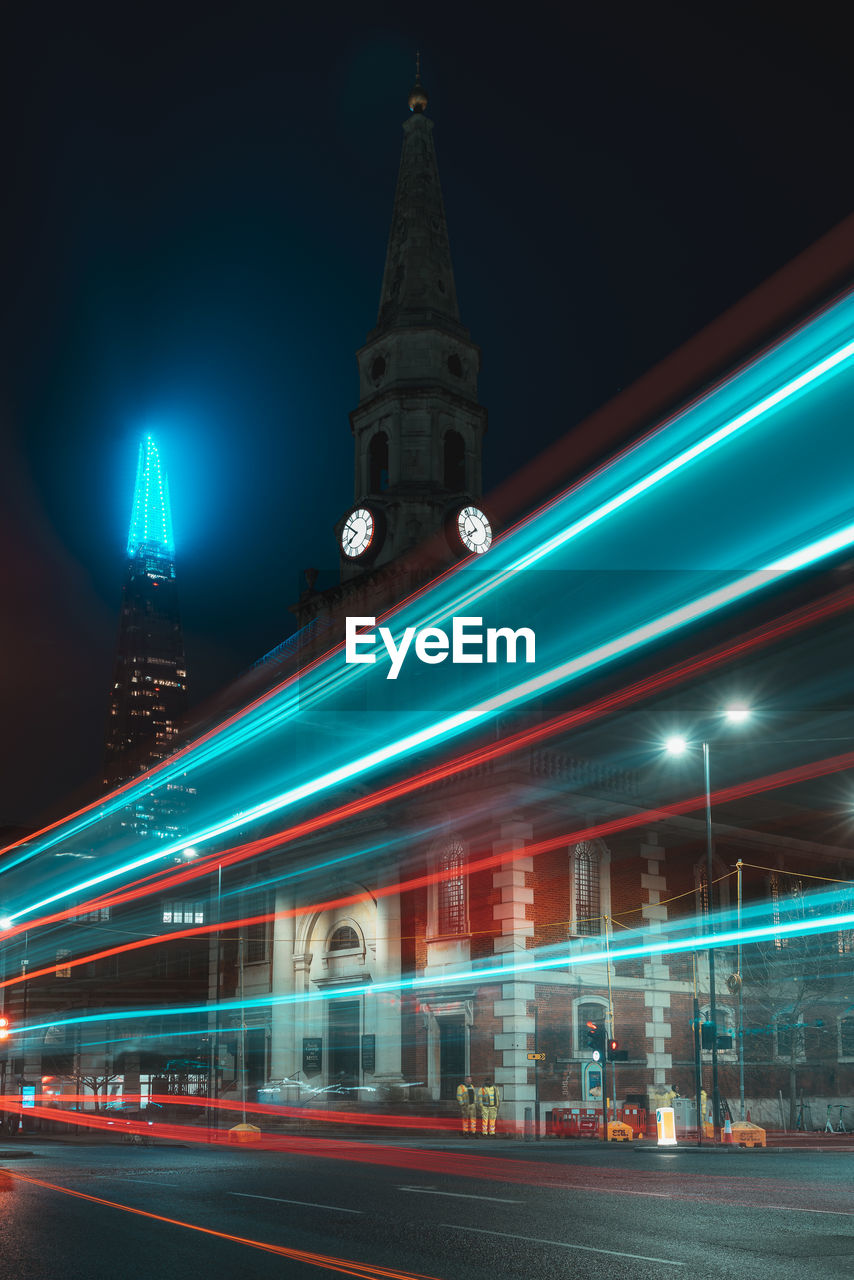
747 1134
244 1133
619 1132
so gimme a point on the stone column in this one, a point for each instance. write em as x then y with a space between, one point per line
285 1056
656 970
386 1005
511 1042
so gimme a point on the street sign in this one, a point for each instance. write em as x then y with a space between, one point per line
536 1057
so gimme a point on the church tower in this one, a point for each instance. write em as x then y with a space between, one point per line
418 427
148 698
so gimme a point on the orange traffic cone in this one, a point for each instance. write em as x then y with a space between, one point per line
727 1131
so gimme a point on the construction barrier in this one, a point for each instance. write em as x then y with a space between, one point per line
572 1122
619 1132
244 1133
635 1118
748 1135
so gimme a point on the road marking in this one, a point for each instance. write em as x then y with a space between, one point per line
307 1204
152 1182
701 1199
618 1191
561 1244
458 1195
795 1208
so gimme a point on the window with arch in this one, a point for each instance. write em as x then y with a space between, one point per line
586 895
589 1010
345 938
454 470
790 1037
378 463
451 891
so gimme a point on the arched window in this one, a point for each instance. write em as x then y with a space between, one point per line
586 897
588 1011
344 939
378 463
451 891
845 1026
454 475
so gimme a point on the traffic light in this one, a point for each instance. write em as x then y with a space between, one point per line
615 1053
708 1035
596 1041
4 1028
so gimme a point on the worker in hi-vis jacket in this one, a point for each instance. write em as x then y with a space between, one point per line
490 1101
467 1099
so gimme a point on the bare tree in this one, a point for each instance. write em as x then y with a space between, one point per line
794 987
97 1085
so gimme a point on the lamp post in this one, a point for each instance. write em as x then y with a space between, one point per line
5 923
677 745
713 1012
740 985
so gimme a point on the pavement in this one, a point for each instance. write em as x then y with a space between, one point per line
498 1145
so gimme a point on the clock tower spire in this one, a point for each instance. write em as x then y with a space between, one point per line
418 427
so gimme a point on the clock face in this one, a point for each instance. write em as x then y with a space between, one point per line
474 530
358 532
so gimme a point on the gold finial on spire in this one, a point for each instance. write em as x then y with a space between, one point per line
418 96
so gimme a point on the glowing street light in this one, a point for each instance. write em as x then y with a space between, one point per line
676 745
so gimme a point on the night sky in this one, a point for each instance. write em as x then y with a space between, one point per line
196 236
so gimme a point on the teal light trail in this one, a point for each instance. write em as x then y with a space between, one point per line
703 941
791 403
449 727
151 520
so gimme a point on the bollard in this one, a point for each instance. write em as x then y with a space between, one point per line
665 1124
529 1124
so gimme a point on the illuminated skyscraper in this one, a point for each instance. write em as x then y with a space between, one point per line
148 698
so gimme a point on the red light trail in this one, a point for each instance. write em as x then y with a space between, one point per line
738 791
805 616
742 1191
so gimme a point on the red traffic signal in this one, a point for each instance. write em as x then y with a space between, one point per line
615 1053
4 1028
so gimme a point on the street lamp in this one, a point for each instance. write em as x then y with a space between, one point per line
5 923
736 713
